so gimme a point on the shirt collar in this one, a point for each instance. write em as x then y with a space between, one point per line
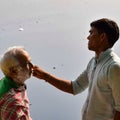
103 55
11 83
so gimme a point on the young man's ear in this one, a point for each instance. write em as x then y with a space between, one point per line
104 40
103 36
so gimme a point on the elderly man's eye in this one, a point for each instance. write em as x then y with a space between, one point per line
29 64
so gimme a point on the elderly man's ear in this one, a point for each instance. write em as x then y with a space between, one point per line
13 71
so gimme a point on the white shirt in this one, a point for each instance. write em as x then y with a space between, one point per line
102 75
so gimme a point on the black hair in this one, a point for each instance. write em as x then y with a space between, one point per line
109 27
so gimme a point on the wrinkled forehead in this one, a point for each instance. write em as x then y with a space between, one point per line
23 57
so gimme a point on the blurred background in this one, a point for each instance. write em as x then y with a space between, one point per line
54 32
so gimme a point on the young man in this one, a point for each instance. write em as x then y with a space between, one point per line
101 75
17 68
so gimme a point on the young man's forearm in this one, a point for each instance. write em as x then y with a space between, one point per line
64 85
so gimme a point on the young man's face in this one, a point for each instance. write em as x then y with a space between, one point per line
94 38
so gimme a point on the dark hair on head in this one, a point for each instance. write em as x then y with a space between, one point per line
109 27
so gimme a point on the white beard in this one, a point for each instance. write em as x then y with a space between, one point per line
22 76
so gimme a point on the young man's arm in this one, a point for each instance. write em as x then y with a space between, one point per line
64 85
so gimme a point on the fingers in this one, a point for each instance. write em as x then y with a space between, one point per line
37 72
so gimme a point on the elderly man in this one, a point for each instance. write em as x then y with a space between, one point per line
17 67
102 74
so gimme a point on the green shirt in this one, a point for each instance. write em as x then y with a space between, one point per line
6 84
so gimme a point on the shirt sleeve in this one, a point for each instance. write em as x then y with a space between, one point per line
80 84
114 82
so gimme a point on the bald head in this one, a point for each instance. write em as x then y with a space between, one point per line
14 59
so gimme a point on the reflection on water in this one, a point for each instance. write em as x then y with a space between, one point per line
54 33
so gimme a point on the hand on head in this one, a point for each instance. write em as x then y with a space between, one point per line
39 72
